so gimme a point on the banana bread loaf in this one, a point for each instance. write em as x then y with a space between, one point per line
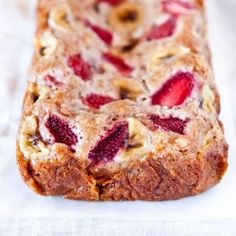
121 102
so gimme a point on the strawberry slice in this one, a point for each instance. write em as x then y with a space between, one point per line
95 100
51 81
173 124
109 145
61 130
176 7
175 91
80 67
103 34
164 30
111 2
118 63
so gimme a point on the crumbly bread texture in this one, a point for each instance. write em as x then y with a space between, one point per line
121 102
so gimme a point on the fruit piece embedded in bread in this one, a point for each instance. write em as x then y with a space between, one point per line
121 102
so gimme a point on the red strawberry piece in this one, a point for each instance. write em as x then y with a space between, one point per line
80 67
118 63
164 30
51 81
95 100
176 7
173 124
111 2
175 91
109 145
60 130
103 34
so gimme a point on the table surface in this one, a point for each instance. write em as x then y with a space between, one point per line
15 38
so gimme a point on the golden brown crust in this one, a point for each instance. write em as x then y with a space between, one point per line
25 171
65 177
151 179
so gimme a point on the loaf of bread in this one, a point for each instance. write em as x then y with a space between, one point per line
121 102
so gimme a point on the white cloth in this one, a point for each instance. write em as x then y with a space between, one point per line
211 213
95 227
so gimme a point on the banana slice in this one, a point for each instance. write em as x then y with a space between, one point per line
127 88
46 44
29 141
36 92
139 143
160 56
208 99
34 89
208 138
182 143
60 17
126 17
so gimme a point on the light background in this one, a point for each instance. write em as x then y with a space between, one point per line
213 213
